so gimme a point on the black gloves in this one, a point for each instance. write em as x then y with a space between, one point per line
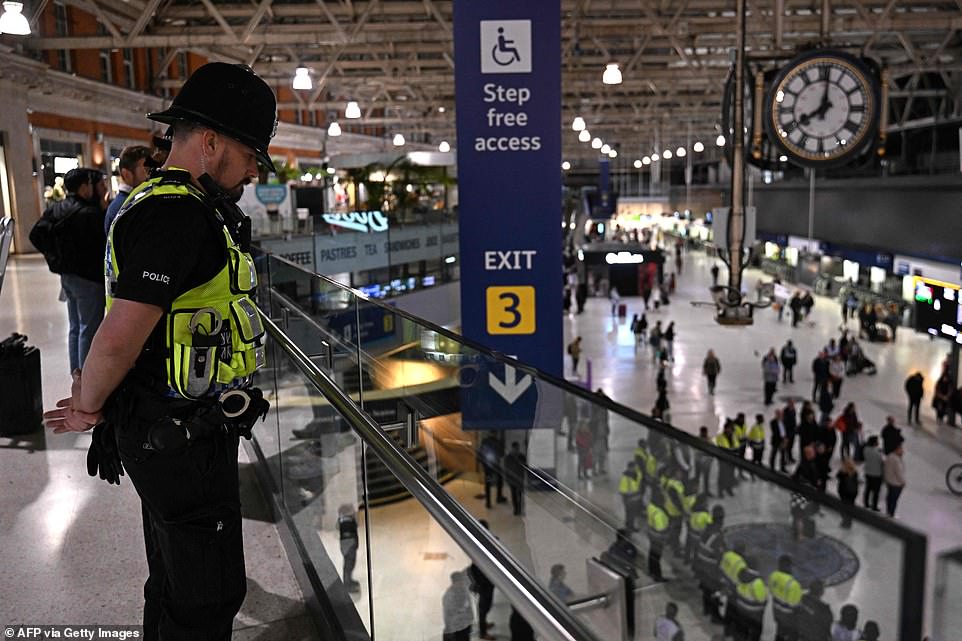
103 457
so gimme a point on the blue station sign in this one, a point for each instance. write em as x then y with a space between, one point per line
508 97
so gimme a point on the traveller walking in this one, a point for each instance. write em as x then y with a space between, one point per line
779 441
703 463
667 627
484 588
770 371
456 608
516 472
795 304
851 429
872 468
668 337
347 536
600 430
640 330
490 456
711 368
893 471
788 357
177 349
654 339
574 351
70 236
615 298
583 441
847 477
820 374
941 398
836 374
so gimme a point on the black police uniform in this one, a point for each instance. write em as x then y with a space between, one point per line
164 246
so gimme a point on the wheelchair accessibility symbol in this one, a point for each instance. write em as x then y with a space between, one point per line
505 46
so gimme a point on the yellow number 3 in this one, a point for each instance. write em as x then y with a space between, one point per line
510 310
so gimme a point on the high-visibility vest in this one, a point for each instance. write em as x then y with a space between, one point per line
628 485
751 597
732 563
213 332
688 502
641 458
756 434
786 592
657 521
698 521
739 433
674 492
726 443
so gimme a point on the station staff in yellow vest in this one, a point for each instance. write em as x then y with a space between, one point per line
707 557
751 598
699 519
729 442
674 496
657 533
169 369
741 433
786 596
629 488
756 438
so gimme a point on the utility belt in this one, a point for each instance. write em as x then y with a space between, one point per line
137 415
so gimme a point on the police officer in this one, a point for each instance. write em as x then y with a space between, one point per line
786 597
732 563
751 597
167 379
698 520
657 534
729 442
707 557
629 487
674 501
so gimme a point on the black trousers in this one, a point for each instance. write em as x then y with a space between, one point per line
493 478
485 599
192 533
779 452
769 392
873 485
788 373
517 498
914 409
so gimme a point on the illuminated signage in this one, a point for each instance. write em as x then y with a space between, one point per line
624 258
366 222
938 311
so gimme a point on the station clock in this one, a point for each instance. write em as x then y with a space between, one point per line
822 109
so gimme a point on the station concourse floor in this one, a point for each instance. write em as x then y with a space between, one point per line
77 543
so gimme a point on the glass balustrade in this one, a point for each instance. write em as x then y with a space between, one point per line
554 493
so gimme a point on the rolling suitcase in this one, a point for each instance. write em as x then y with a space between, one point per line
21 396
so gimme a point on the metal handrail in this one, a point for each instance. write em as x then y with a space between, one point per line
543 611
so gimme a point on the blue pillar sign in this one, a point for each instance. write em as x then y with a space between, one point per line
508 99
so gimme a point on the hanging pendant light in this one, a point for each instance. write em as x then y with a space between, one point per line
398 140
353 110
302 79
612 74
578 124
444 147
584 136
334 130
13 21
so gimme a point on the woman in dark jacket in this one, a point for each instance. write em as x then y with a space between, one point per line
847 478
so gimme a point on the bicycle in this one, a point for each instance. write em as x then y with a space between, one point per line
953 479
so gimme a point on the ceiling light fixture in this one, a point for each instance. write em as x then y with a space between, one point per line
398 140
578 124
698 147
612 75
667 154
353 110
565 166
646 160
302 77
13 21
596 143
444 147
334 130
720 141
613 153
584 136
605 148
680 152
637 164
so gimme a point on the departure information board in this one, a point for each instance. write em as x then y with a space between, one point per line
938 310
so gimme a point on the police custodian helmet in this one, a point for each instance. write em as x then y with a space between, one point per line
230 99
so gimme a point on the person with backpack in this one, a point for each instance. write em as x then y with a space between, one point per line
70 235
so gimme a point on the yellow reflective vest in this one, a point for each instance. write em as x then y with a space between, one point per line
751 597
657 521
786 590
732 563
674 495
756 433
698 521
628 485
213 332
726 443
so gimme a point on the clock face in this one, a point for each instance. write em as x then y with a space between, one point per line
823 108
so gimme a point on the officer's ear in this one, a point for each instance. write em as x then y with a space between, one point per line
211 141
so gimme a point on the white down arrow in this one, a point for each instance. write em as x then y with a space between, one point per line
512 387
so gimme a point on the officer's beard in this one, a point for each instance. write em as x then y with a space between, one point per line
234 191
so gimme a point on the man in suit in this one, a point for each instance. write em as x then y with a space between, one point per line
779 441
